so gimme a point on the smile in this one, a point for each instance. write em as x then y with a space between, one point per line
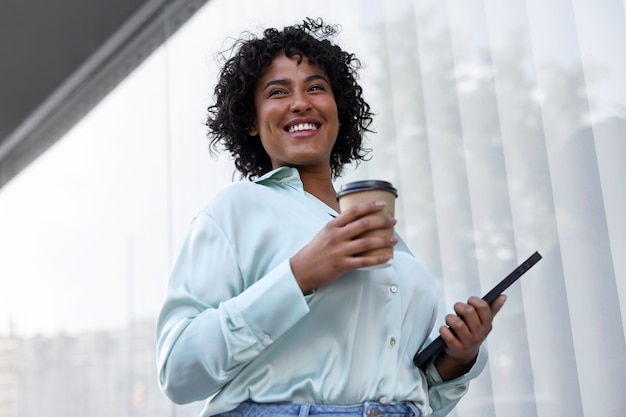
302 126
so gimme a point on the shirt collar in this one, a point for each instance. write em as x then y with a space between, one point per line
283 175
291 177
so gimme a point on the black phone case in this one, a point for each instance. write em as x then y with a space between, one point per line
424 356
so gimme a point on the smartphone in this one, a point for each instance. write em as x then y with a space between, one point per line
424 356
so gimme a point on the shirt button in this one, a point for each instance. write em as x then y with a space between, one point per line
392 341
383 400
393 289
265 337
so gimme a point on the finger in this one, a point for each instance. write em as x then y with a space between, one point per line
458 327
356 262
468 314
497 304
447 334
486 311
481 309
357 228
358 211
450 338
358 246
475 320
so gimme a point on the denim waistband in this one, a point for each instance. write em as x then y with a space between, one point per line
366 409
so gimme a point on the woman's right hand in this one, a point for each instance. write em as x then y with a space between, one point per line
332 251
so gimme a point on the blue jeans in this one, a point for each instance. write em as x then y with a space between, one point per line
367 409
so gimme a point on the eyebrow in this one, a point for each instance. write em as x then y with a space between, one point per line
307 80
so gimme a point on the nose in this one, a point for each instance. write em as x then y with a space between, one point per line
299 103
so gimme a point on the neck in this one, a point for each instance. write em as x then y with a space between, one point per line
320 186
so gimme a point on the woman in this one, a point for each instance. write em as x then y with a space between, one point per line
267 311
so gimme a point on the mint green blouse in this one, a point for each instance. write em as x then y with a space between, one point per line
235 326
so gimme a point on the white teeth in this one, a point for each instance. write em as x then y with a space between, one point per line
302 126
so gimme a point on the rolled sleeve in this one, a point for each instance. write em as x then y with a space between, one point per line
444 395
210 327
266 310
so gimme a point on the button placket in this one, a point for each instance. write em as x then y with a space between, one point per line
390 292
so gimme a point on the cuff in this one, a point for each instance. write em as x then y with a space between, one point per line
271 306
434 379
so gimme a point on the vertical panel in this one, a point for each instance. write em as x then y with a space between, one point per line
544 296
446 153
493 231
601 33
407 116
610 141
452 199
590 279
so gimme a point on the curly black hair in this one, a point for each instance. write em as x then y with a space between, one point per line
231 115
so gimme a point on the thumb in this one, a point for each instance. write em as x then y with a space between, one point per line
497 304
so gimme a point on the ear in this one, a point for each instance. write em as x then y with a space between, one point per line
253 130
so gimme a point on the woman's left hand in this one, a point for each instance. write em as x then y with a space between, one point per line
465 332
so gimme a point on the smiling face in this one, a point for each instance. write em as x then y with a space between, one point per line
296 114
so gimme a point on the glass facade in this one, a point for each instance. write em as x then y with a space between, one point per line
502 124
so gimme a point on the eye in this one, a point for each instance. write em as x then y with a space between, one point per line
317 87
276 91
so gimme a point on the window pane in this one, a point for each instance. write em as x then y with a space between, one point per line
501 123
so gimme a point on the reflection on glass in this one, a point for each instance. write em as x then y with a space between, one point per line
501 123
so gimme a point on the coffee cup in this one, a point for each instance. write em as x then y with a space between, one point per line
358 192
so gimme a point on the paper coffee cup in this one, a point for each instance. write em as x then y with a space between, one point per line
358 192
